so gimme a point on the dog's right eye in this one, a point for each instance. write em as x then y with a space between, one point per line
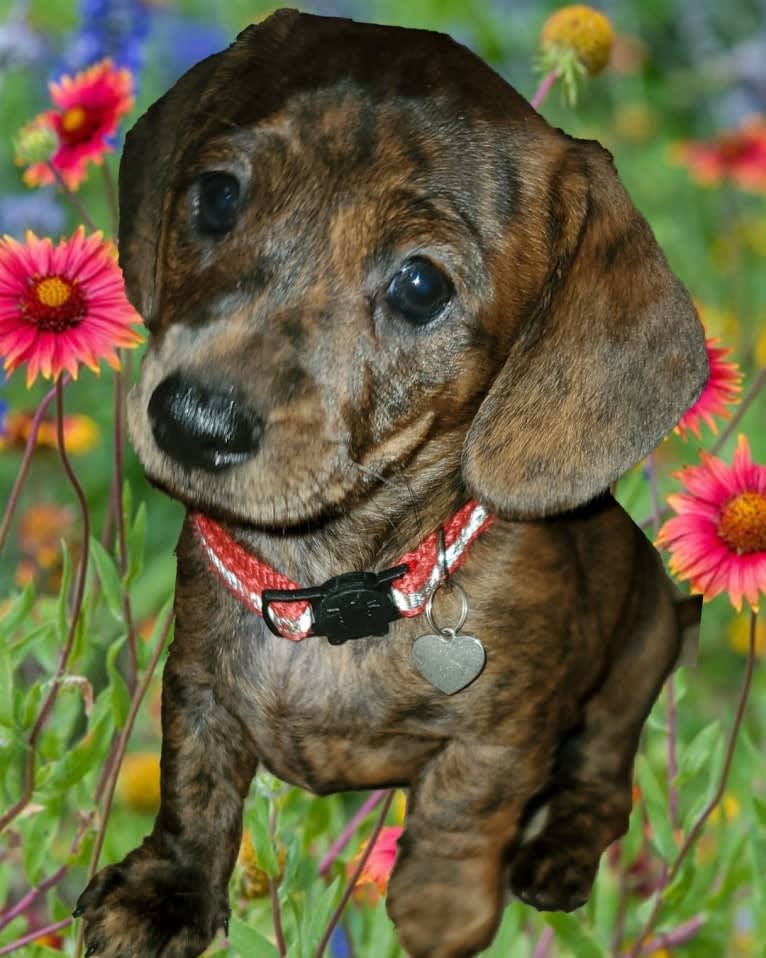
419 291
217 203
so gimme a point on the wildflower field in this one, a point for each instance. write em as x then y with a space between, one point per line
677 92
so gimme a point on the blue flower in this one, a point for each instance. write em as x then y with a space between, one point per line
37 211
179 42
117 29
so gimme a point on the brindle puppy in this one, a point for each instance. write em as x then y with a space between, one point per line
379 285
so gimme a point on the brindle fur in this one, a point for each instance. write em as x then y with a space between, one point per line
568 350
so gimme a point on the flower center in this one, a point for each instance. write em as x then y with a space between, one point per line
743 523
73 119
53 303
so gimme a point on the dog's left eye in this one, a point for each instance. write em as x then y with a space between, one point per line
419 291
217 203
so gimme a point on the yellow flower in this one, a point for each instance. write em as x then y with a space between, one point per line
584 31
254 880
138 784
738 635
728 809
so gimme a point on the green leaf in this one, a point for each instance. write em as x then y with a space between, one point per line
136 544
109 578
318 914
145 649
258 820
571 933
759 807
118 689
6 688
249 942
78 761
698 753
655 802
19 609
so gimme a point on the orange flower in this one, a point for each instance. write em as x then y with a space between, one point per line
62 305
90 106
721 390
81 433
738 155
718 538
377 869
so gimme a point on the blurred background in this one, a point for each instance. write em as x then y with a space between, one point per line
681 71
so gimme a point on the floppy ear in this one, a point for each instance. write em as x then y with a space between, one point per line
155 142
603 367
145 168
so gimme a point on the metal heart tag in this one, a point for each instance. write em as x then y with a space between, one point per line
448 661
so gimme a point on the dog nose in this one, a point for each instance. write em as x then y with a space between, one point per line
203 427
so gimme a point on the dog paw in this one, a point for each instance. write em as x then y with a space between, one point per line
553 874
440 911
147 907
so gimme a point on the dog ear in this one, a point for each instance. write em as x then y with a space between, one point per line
145 167
603 366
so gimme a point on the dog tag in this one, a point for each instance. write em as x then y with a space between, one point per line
449 661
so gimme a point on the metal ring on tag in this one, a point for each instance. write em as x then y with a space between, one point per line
454 587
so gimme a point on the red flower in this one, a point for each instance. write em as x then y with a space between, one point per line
739 156
377 869
62 305
718 539
722 389
89 108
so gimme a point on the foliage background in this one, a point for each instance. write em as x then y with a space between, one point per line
686 69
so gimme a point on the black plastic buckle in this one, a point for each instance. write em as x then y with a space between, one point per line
348 606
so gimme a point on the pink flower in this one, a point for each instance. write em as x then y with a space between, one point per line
722 389
62 305
90 106
378 867
717 540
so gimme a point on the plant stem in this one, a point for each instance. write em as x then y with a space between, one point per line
693 835
543 946
122 742
31 896
348 832
47 706
546 85
34 935
336 915
119 513
678 936
276 911
73 198
24 467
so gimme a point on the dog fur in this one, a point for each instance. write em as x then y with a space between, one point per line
566 351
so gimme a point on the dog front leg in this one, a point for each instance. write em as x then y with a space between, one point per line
170 896
446 892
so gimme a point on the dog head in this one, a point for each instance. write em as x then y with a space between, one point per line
356 247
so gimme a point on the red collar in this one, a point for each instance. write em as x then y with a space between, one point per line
247 577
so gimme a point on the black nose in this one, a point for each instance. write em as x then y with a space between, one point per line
200 427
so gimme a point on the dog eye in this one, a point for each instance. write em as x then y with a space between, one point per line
419 291
217 203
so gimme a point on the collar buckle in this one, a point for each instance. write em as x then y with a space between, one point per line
353 605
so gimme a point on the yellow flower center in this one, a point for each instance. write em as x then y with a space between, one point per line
582 29
73 119
53 291
53 303
743 523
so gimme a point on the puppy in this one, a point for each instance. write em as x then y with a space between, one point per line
404 336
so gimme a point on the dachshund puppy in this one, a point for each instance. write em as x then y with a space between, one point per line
404 336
